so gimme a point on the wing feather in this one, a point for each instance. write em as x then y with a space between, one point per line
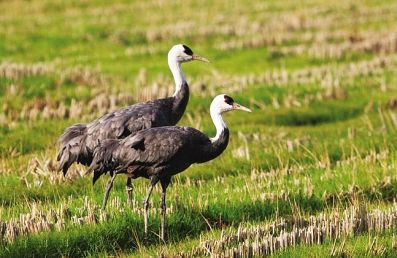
149 150
163 144
123 122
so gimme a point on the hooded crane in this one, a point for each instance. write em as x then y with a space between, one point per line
159 153
78 142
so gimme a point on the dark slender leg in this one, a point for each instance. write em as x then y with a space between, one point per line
153 182
129 189
164 184
108 187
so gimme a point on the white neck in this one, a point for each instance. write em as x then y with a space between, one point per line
217 119
176 70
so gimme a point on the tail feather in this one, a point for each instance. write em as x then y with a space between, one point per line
73 147
103 160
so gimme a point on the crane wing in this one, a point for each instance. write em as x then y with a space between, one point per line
158 146
123 122
148 150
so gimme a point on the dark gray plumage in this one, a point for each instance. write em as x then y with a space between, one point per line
78 142
159 153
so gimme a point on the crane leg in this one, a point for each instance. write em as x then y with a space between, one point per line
164 185
153 182
129 189
108 187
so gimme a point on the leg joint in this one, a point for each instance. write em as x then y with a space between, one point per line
146 204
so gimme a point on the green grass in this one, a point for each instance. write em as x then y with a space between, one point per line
382 245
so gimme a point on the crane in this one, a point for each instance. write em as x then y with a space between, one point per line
78 142
159 153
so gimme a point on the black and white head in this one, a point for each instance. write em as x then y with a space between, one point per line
223 103
182 53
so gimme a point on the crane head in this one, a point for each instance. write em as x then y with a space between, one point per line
223 103
182 53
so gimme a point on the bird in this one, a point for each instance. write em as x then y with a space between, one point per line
159 153
78 141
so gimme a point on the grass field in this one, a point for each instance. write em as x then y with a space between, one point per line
311 172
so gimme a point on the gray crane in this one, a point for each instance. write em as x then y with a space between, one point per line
159 153
79 141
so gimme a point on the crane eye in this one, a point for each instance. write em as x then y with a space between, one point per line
187 50
229 100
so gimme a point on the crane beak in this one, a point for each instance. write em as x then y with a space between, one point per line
200 58
240 107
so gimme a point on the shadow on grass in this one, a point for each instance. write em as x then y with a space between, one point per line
316 115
